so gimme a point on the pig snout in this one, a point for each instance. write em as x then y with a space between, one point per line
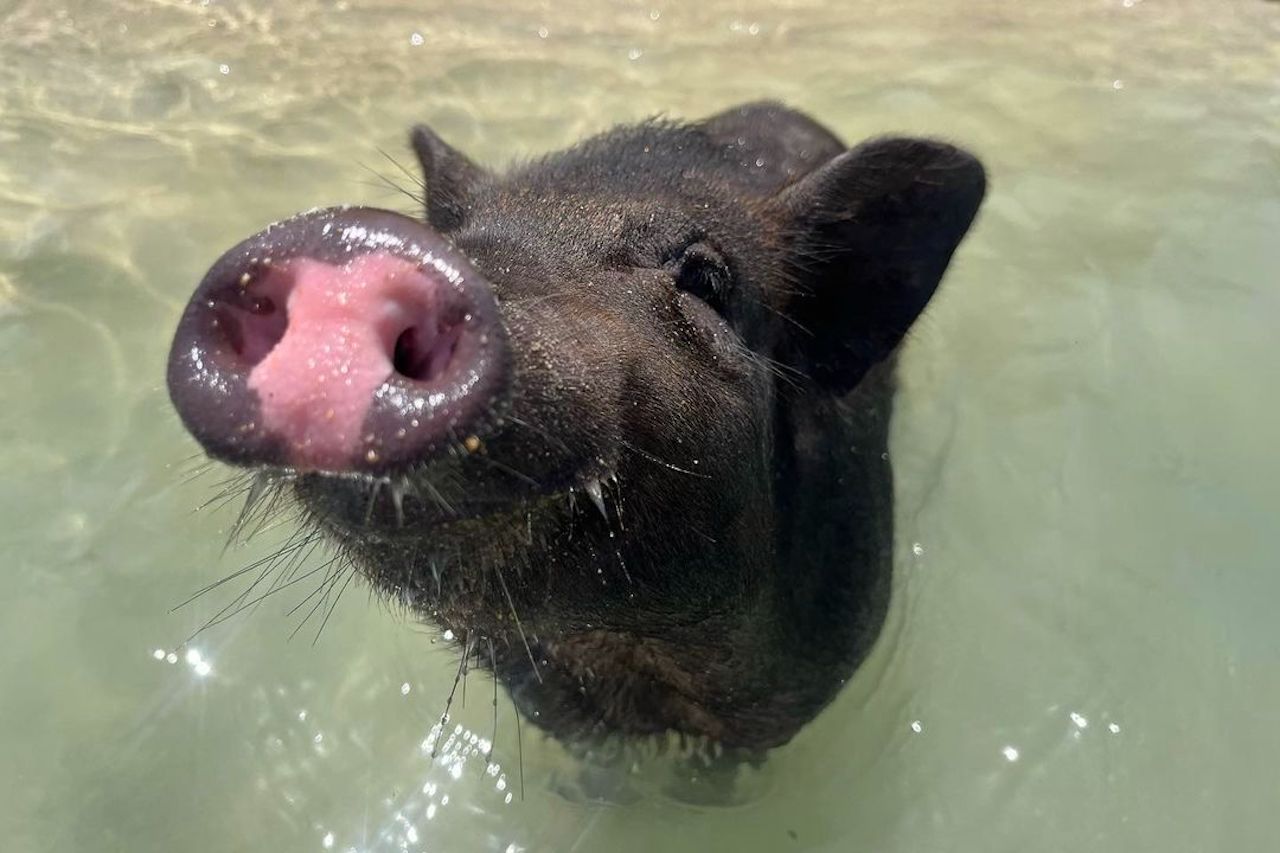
342 340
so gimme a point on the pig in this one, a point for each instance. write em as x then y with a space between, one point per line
615 420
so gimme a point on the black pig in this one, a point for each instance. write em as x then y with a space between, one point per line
617 419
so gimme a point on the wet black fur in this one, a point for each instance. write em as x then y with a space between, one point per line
703 318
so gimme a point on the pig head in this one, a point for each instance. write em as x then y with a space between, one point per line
616 418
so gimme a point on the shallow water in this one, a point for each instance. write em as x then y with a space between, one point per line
1082 654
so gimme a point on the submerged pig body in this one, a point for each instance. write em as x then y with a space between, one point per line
618 417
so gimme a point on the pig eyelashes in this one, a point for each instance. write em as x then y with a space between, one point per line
699 270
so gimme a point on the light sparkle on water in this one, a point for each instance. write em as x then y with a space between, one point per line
198 664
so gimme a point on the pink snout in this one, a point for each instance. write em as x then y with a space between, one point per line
342 340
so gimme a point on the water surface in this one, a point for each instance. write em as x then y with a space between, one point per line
1083 652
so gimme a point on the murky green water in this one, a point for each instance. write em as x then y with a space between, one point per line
1083 653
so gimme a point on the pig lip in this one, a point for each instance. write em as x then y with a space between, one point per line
213 361
392 508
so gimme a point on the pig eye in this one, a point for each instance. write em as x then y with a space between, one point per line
700 271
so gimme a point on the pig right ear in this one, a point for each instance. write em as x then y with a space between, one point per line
448 176
867 238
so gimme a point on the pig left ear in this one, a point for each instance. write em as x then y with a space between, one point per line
448 176
868 237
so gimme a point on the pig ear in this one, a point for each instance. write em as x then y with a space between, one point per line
868 237
448 176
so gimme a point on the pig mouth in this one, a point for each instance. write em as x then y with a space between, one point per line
414 509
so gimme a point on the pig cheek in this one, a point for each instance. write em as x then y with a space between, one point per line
713 332
566 388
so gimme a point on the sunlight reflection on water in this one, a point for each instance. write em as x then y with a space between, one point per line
1082 653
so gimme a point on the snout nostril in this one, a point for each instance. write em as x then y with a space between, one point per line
411 358
423 353
226 324
251 324
261 305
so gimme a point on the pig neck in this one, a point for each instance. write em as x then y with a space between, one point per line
750 673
